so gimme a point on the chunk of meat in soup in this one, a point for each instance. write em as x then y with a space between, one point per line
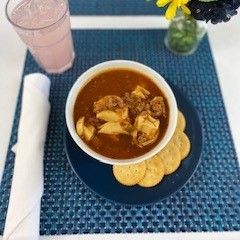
110 102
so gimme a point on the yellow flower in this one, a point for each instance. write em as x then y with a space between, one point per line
173 6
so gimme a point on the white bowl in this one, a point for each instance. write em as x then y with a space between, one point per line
124 64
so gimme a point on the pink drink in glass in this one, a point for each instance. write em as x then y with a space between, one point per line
44 26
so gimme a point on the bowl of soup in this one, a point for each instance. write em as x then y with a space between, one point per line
121 112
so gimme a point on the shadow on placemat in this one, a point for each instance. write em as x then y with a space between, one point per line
211 199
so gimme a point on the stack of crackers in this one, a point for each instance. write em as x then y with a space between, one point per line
149 173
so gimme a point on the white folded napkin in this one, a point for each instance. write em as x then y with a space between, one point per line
23 215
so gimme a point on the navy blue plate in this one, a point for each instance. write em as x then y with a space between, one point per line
99 177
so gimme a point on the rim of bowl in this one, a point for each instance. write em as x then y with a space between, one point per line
87 76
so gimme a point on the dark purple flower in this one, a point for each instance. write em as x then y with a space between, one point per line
216 11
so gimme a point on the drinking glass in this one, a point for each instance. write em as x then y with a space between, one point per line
44 26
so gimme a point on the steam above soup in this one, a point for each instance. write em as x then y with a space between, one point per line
121 114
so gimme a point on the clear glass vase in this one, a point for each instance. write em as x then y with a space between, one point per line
184 34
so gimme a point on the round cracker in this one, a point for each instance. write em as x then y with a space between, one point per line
181 140
131 174
181 121
154 172
171 158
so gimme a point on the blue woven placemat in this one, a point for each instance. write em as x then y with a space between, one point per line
211 199
114 7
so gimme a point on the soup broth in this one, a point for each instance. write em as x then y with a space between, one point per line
122 83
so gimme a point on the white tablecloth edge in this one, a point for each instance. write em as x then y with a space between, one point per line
148 236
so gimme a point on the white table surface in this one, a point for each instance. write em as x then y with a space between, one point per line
225 43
